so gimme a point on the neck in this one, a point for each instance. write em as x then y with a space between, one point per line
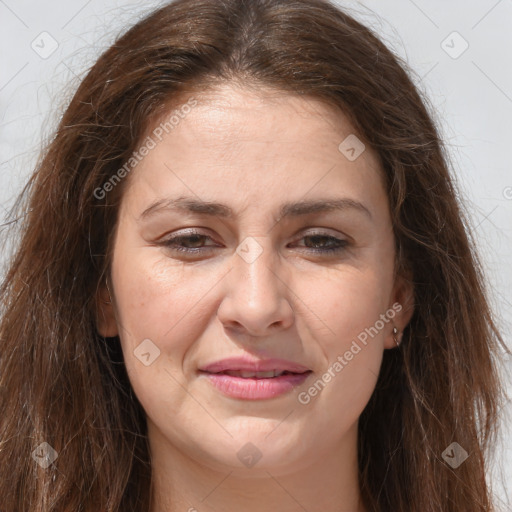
327 482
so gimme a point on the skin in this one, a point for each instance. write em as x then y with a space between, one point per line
254 151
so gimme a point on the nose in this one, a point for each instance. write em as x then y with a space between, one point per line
256 300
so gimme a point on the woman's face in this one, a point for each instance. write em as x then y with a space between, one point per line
226 247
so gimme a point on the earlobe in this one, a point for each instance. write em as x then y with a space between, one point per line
105 318
403 305
397 336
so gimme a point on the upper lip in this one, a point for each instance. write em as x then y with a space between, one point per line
253 365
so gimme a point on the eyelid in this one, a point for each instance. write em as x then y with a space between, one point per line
318 231
183 233
340 244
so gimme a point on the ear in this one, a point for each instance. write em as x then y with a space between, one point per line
105 318
402 303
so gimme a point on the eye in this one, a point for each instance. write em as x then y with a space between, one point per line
334 244
193 243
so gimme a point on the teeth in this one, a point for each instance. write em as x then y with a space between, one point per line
251 375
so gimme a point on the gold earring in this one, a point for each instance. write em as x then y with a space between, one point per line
395 332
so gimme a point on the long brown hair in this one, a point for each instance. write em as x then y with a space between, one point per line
62 383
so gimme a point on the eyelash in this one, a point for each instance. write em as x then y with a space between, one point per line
170 243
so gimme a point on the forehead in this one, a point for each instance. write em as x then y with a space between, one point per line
233 113
241 139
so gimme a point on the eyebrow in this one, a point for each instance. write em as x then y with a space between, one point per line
290 209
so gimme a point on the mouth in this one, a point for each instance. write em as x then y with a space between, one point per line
244 374
251 385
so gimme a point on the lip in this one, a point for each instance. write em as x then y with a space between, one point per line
254 365
254 388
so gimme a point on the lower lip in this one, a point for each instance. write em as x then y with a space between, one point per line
255 389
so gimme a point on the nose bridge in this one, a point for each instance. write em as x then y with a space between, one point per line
256 297
256 265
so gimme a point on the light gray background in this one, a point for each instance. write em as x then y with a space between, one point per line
471 91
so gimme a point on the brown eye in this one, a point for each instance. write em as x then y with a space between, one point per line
324 243
192 243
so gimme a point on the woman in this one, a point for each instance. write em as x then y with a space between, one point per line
244 282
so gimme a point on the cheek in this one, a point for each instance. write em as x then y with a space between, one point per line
350 301
164 303
154 298
350 305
